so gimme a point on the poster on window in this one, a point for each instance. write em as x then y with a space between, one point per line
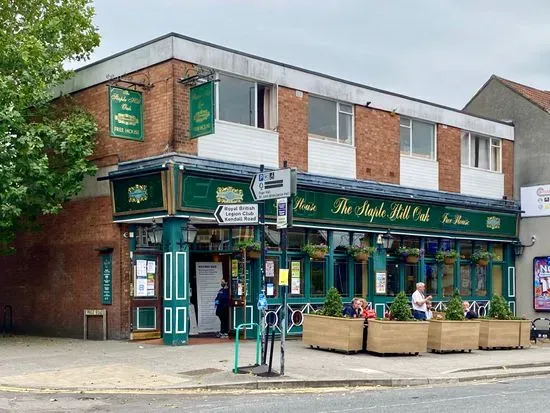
381 281
270 269
295 286
541 275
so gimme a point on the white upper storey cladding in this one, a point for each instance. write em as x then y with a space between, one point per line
175 46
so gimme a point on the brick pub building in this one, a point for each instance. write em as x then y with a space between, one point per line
140 240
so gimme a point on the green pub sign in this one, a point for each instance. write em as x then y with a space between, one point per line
125 113
201 110
106 279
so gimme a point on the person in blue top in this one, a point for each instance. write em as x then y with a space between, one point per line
353 311
222 309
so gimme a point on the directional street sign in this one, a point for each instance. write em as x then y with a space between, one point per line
237 214
273 184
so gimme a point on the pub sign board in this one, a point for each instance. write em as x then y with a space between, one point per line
125 113
201 110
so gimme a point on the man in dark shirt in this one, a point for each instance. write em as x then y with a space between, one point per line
468 314
353 311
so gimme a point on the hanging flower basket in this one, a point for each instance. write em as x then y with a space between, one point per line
253 248
316 252
412 259
447 257
482 258
360 253
253 254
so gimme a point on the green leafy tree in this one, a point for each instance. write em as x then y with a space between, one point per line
400 310
44 146
499 309
333 306
454 310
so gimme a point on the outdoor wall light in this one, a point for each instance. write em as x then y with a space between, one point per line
519 247
385 240
154 234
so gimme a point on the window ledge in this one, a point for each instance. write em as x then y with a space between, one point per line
481 170
330 142
418 158
243 126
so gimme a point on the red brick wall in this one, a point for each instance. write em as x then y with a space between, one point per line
377 143
56 273
508 167
448 156
158 115
293 128
181 111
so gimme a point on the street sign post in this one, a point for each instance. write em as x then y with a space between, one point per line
237 214
273 184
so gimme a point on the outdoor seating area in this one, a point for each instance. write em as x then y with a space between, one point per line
352 329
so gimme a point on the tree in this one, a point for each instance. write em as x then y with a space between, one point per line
44 145
455 310
400 310
333 304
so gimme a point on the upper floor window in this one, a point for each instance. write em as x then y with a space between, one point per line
330 120
246 102
481 152
417 138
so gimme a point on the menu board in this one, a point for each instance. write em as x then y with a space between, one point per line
209 275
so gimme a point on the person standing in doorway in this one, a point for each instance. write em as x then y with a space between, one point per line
222 309
420 302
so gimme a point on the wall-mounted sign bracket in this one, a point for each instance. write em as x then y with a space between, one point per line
196 75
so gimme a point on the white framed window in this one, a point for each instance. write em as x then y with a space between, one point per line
331 120
417 138
246 102
481 152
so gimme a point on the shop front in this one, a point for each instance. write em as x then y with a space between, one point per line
180 194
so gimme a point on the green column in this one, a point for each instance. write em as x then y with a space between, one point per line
379 265
175 282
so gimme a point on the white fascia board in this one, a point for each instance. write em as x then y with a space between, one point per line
229 61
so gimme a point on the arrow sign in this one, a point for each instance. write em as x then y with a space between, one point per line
237 214
273 184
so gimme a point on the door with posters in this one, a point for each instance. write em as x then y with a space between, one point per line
146 297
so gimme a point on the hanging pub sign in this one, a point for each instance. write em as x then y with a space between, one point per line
125 113
201 110
541 274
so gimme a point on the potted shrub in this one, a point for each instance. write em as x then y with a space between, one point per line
360 253
481 257
447 257
329 329
454 333
500 329
315 251
411 255
401 334
253 248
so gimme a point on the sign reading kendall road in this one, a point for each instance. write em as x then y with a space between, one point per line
273 184
237 214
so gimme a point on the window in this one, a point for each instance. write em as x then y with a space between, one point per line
417 138
393 279
330 120
245 102
341 280
481 152
447 281
465 280
431 279
360 285
317 288
481 281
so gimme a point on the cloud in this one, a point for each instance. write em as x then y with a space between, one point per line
438 50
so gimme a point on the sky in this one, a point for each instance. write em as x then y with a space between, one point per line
442 51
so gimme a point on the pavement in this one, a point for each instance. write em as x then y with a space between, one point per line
61 364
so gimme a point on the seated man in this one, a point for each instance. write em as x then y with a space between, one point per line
469 314
354 310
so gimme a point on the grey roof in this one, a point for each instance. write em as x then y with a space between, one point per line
240 172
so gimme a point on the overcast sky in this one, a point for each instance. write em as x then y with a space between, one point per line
437 50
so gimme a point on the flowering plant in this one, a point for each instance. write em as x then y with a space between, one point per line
315 250
450 254
248 244
413 252
481 255
355 250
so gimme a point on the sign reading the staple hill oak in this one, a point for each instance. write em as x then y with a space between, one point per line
200 194
201 113
126 113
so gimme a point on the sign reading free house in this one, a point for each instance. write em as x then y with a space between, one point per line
201 110
125 113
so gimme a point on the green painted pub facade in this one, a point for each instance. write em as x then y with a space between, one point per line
169 203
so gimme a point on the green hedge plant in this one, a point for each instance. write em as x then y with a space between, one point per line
499 309
454 310
400 310
333 306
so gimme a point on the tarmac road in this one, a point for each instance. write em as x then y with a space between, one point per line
529 394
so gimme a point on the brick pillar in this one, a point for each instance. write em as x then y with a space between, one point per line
377 145
508 167
448 157
293 128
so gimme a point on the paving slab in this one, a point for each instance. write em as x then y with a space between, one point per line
72 364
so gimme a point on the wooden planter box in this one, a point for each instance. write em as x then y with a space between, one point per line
397 337
504 334
332 333
447 335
